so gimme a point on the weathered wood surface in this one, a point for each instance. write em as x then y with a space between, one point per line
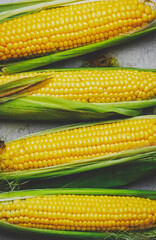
140 53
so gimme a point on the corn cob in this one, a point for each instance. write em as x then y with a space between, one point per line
73 92
83 213
67 27
77 144
83 155
94 86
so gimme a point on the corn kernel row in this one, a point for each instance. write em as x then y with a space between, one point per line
94 86
77 144
81 213
68 27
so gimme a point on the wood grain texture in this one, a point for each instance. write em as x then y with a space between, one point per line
140 53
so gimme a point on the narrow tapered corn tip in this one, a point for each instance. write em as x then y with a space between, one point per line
77 144
68 27
86 213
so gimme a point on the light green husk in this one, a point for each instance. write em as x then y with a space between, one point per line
107 171
56 234
9 11
51 108
20 87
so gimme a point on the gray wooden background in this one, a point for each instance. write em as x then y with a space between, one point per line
139 53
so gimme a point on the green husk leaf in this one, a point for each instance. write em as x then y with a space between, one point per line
50 108
138 235
92 172
21 82
20 87
20 4
85 165
113 173
15 5
51 58
13 10
6 196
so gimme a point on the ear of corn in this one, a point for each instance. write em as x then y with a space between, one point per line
77 94
114 22
63 213
82 150
89 85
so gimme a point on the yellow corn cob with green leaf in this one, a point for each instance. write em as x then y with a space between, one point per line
80 212
68 27
93 86
77 144
91 93
74 147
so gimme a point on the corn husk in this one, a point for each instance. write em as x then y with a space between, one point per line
20 87
13 10
15 104
107 171
56 234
